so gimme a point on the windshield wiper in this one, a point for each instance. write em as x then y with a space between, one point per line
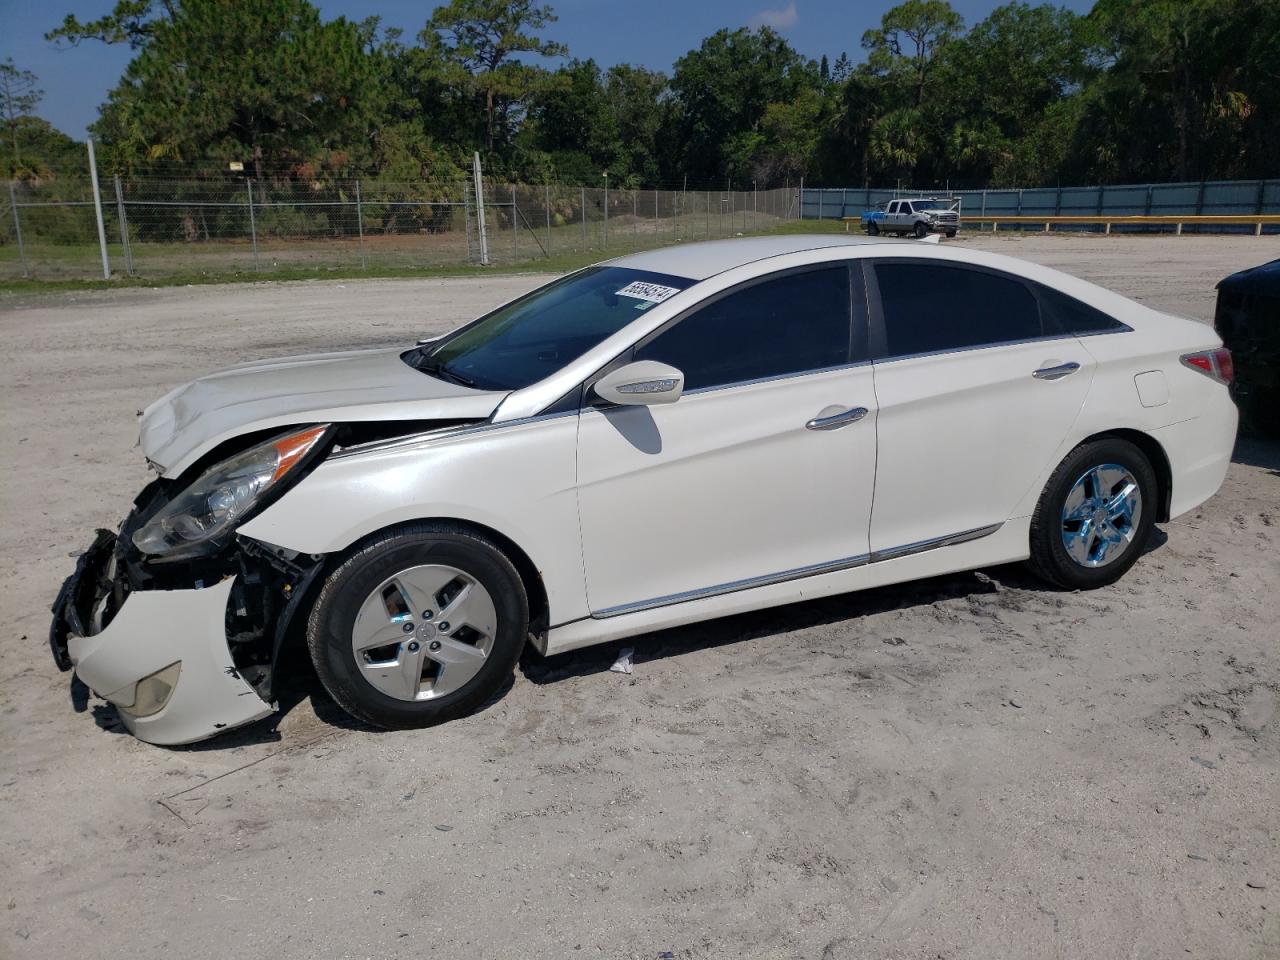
438 369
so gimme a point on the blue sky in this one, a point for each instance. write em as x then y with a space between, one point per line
653 33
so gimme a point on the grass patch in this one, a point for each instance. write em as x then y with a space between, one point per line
560 262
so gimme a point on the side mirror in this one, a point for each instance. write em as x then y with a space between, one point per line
644 383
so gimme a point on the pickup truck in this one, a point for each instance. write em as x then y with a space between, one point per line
919 217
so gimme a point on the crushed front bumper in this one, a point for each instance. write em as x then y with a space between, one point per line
151 630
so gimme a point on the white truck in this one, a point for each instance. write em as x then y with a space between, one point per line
919 216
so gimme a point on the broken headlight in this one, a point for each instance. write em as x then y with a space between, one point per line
197 518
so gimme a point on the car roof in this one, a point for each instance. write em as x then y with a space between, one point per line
697 261
1262 280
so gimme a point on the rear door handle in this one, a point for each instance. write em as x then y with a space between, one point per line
837 420
1056 372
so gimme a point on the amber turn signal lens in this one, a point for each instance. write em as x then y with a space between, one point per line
293 448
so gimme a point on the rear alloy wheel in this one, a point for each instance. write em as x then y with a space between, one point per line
922 230
420 625
1094 516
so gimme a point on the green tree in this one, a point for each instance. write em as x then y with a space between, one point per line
481 38
905 47
296 88
722 90
130 21
1190 87
1001 83
18 99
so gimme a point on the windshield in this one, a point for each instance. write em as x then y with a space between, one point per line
933 205
535 336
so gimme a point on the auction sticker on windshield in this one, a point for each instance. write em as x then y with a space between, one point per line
652 292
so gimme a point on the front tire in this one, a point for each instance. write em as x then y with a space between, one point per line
1095 515
951 234
421 624
921 230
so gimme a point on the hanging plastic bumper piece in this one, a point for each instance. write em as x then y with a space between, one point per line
162 660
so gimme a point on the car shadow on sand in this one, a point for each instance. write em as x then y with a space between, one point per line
743 627
1258 452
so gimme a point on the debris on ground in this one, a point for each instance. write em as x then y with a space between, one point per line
623 663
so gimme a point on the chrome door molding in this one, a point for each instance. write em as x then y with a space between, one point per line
799 573
893 553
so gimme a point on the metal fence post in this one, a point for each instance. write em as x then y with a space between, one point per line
97 210
480 225
466 215
124 229
364 263
546 205
515 226
605 222
253 225
17 229
800 204
584 218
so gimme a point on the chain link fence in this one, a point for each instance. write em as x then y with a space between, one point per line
157 228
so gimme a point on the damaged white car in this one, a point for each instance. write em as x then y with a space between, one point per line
664 438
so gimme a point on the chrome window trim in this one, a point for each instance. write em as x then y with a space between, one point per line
777 376
797 573
982 346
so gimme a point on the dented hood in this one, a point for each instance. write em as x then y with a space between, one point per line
359 385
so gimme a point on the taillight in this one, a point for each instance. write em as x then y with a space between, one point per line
1212 363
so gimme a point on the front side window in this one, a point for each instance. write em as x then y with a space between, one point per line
929 307
794 323
530 339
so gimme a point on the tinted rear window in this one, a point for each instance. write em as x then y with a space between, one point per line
932 307
1064 314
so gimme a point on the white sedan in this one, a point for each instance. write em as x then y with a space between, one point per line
660 439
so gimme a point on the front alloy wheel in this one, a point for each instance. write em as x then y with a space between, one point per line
419 624
424 632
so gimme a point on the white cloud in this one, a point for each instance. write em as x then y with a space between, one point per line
778 19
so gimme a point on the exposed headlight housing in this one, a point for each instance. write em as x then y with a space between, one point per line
197 520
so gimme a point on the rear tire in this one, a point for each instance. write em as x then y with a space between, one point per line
433 671
1084 534
873 229
921 230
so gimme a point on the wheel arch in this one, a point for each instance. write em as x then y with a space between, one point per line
1156 456
530 576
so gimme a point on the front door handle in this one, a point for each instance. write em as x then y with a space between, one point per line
837 420
1056 372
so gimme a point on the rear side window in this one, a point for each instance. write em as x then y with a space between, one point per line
792 324
932 307
1064 314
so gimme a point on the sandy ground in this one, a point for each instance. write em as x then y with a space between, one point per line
967 767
